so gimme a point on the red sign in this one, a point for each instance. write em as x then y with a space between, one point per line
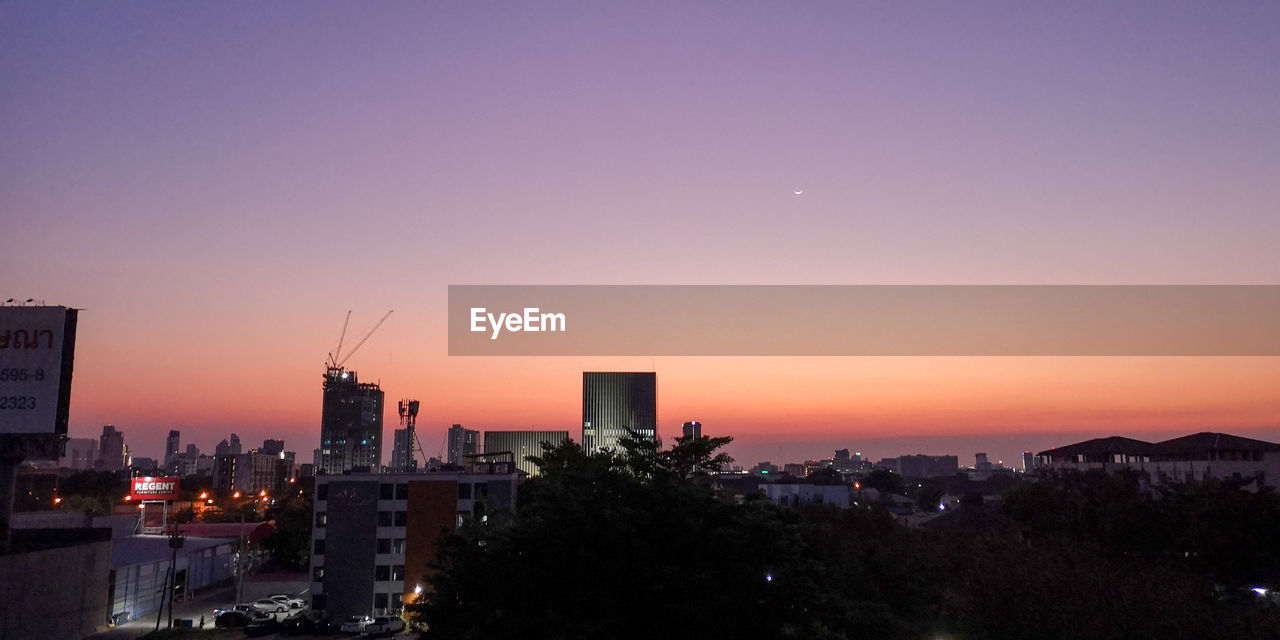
155 488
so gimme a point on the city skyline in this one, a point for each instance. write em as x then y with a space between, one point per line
215 186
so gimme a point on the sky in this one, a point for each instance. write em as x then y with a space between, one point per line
216 184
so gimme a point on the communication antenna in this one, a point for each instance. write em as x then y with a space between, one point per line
408 422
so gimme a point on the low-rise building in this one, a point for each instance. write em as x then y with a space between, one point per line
1199 456
376 535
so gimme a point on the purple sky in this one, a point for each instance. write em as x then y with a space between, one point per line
217 183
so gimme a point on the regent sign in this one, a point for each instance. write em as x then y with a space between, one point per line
36 349
154 488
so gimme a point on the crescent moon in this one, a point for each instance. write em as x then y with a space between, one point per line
799 192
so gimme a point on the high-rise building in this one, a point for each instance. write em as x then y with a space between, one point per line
462 442
235 444
350 424
615 402
111 450
401 451
272 446
1028 462
692 429
522 444
980 462
80 454
171 445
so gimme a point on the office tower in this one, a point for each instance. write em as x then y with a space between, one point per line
462 442
111 450
272 446
235 444
350 424
193 451
522 444
171 446
612 403
1028 461
980 462
692 429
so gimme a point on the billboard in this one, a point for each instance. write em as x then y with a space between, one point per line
149 488
36 349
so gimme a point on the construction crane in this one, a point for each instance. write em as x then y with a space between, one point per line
336 359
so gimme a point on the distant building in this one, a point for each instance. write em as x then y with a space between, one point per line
800 493
522 444
1028 462
272 446
980 462
401 451
350 424
171 445
692 429
615 402
231 446
795 469
252 472
922 466
144 465
80 454
462 443
111 450
764 468
1199 456
376 536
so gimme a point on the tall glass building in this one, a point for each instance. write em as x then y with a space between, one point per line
613 402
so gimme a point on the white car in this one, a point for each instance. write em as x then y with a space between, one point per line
267 605
356 624
384 626
291 603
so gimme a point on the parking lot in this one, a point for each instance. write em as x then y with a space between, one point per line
204 606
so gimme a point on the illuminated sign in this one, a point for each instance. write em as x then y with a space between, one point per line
36 349
149 488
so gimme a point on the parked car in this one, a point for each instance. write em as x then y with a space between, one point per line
231 618
299 623
267 605
384 626
290 602
356 624
261 626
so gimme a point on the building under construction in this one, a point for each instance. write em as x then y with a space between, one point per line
350 424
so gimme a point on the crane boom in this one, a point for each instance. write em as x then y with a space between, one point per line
362 340
333 357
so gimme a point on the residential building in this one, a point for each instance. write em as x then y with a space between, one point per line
462 443
171 445
377 535
1199 456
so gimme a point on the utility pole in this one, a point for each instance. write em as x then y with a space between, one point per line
175 543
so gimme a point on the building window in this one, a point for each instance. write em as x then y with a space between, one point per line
382 572
317 574
380 601
322 492
397 572
397 546
482 490
384 518
401 518
321 519
384 545
464 491
397 601
386 492
319 546
402 491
